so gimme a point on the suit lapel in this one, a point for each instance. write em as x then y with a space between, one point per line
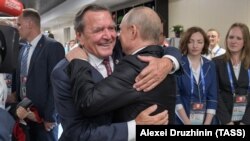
37 50
205 68
232 73
96 75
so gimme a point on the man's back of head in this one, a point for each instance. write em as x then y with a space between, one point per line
144 24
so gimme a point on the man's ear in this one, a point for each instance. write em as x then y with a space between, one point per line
79 36
133 31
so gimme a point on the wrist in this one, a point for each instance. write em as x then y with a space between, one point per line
173 65
170 64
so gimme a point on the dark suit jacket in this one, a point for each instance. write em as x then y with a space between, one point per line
225 96
76 126
46 55
117 90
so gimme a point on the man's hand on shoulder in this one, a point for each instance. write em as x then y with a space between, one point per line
76 53
153 74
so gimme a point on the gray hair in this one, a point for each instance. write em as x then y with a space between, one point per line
79 18
147 20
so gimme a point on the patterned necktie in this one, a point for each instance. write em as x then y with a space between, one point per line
107 66
24 61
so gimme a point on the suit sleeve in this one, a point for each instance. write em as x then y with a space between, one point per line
222 111
178 95
173 51
246 117
6 125
107 95
212 91
55 54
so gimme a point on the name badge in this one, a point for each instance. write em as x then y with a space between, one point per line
8 80
239 107
197 113
23 80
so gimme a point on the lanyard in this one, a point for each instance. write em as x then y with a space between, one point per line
248 80
217 51
231 79
202 81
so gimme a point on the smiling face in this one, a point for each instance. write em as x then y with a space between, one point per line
195 44
213 37
99 34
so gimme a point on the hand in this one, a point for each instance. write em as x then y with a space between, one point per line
187 122
153 74
241 123
76 53
49 125
230 123
144 117
22 113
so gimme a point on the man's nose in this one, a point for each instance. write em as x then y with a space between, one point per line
107 34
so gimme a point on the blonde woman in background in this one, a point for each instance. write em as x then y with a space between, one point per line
234 77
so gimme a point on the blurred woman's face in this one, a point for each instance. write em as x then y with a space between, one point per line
195 44
235 40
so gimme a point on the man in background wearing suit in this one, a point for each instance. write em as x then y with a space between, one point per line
44 53
95 29
140 34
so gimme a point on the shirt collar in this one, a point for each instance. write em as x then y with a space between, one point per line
95 61
138 50
214 50
200 59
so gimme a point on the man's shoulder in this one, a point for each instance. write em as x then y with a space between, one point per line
51 42
219 60
60 66
222 51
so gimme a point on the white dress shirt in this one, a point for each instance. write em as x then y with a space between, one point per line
216 51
